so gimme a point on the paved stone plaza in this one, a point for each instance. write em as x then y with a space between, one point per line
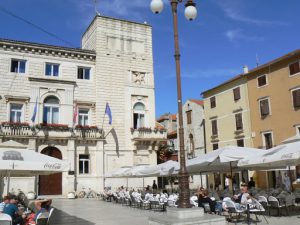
95 212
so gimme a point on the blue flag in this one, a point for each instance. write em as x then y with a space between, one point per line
34 111
108 113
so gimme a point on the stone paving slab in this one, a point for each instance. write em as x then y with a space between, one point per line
96 212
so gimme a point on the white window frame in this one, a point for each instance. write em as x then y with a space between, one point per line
269 102
294 89
298 130
267 81
19 60
84 68
139 112
52 64
263 138
22 111
84 161
88 116
290 70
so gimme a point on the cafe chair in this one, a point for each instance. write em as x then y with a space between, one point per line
5 219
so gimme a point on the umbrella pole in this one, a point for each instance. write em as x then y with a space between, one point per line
8 183
291 182
201 180
143 183
231 178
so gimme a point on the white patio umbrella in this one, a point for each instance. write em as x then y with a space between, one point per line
121 171
223 159
24 162
160 170
277 157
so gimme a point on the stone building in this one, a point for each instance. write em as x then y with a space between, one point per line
193 125
114 66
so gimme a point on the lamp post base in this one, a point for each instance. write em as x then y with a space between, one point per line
188 216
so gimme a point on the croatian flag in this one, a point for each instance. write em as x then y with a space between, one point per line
108 113
34 111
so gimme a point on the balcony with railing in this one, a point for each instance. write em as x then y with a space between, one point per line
148 134
24 130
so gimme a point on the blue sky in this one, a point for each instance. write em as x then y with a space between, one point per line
226 35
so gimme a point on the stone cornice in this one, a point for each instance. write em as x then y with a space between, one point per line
16 98
48 50
58 81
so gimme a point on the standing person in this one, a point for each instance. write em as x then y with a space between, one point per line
279 180
287 182
227 182
251 183
154 185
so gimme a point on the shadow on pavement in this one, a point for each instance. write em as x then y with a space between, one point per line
61 218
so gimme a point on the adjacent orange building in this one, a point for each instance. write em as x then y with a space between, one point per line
274 102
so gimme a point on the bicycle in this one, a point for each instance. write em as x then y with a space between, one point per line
89 194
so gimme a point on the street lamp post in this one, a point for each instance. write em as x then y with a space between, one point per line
190 14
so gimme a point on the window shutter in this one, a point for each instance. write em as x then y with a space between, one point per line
214 127
236 94
264 107
213 102
262 81
239 121
296 98
294 68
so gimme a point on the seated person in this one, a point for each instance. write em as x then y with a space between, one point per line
6 200
12 210
41 206
203 198
243 198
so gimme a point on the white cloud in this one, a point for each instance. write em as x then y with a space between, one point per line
235 10
238 34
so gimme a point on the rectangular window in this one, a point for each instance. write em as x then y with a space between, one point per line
17 66
262 81
83 73
294 68
268 140
264 107
240 143
84 164
189 117
298 130
239 121
214 126
236 94
83 117
213 102
138 120
52 69
215 146
16 111
296 98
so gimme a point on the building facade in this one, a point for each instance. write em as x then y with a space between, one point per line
70 89
227 117
194 137
274 99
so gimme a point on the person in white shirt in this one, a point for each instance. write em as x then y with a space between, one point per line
2 204
287 182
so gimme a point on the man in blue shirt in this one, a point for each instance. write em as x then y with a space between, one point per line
2 204
12 210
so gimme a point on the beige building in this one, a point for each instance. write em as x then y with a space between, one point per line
227 118
274 99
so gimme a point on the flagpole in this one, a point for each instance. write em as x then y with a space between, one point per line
103 117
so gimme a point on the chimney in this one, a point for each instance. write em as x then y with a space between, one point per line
245 69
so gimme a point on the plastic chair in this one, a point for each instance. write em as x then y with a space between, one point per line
232 209
50 214
274 203
264 202
5 219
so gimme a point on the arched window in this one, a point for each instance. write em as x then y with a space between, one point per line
51 110
138 115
